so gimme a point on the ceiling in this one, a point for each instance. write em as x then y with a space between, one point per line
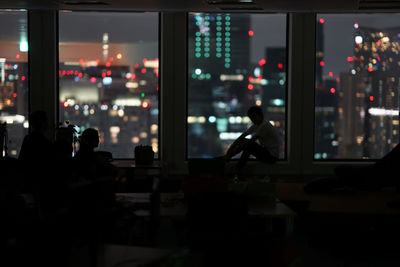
211 5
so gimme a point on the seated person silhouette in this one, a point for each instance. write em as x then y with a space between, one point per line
264 142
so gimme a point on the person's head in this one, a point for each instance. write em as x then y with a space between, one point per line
38 121
90 138
256 115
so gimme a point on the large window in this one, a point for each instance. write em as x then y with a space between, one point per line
235 61
357 85
14 78
108 69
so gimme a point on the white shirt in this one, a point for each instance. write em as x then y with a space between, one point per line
267 136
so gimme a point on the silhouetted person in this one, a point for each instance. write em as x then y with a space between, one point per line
264 142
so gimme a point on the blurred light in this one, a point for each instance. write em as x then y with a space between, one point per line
135 140
143 70
26 124
109 73
104 107
121 113
277 102
330 74
107 80
93 80
371 98
333 90
251 33
15 95
250 87
197 71
201 119
229 136
108 64
353 71
119 56
17 56
258 102
131 85
322 21
143 135
145 104
257 72
129 102
212 119
356 25
23 46
280 66
66 104
231 77
322 63
261 63
350 59
358 39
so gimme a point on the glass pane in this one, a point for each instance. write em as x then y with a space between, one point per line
14 78
108 73
235 61
357 85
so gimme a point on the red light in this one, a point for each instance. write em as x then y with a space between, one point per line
379 58
280 66
259 77
369 69
66 104
17 56
250 87
333 90
93 80
23 78
103 75
262 62
133 76
251 79
64 72
371 98
111 59
157 88
322 21
322 63
109 73
108 64
80 74
76 72
97 61
251 33
81 61
330 74
15 95
136 66
350 59
144 60
145 104
143 70
379 42
338 80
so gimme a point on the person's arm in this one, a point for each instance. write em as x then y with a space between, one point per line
234 147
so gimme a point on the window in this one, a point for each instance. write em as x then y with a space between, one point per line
356 85
14 78
235 61
108 69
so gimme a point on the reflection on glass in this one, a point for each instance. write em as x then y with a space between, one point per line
14 78
357 85
235 61
108 73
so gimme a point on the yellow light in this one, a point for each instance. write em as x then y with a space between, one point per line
119 56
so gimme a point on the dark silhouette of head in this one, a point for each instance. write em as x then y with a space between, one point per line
89 139
256 115
38 121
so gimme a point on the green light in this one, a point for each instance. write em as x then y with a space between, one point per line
227 29
227 39
227 23
206 44
219 39
142 95
198 44
227 44
206 55
207 34
207 49
227 60
219 34
206 23
198 23
227 65
219 17
198 49
219 55
219 28
207 17
194 76
218 44
207 39
208 76
219 23
198 33
219 49
198 55
202 76
227 34
198 39
227 49
227 18
227 55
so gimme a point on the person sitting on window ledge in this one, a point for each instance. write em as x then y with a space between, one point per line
264 142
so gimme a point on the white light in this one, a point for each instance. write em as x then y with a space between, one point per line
231 77
232 120
131 85
142 82
257 72
238 119
264 82
104 107
272 122
107 80
385 39
151 64
278 102
212 119
197 71
130 102
85 107
76 107
229 136
353 71
335 143
383 112
23 46
358 39
26 124
201 119
13 118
